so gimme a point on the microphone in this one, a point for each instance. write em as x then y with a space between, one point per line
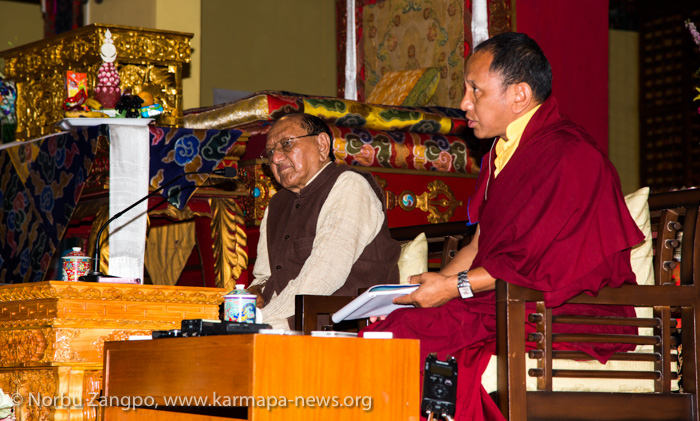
94 276
228 172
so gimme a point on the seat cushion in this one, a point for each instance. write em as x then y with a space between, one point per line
489 378
413 258
642 254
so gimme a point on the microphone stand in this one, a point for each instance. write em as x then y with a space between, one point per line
96 274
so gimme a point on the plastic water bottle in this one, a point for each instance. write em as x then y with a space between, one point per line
239 305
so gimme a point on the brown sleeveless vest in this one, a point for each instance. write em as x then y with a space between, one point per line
291 229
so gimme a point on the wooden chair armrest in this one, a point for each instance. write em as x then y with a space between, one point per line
308 307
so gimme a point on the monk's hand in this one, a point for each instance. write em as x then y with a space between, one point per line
257 291
435 290
373 319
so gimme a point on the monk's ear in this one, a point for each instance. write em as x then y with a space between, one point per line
324 145
522 97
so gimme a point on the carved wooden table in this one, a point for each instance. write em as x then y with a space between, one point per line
52 336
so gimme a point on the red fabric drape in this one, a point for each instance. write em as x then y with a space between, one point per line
574 37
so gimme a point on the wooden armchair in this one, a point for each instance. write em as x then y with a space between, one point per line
444 240
674 222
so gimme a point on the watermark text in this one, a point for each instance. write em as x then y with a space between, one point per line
132 402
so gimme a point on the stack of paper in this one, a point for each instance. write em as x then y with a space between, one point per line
376 301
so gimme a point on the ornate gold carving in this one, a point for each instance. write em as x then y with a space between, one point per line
63 351
30 310
391 200
430 202
21 346
147 60
95 291
229 238
261 187
117 335
177 214
95 322
92 383
101 218
389 196
69 293
42 382
380 181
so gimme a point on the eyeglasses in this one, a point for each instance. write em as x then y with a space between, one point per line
285 146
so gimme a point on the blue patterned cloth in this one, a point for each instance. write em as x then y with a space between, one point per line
41 184
35 213
175 151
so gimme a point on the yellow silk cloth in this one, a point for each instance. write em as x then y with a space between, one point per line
247 110
412 88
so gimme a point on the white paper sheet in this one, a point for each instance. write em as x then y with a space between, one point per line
376 301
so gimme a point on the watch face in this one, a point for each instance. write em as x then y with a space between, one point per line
466 291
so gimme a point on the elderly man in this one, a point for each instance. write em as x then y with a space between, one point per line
326 231
551 217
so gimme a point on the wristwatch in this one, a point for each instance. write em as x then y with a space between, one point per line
463 285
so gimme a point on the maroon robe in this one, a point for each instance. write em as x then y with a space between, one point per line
553 220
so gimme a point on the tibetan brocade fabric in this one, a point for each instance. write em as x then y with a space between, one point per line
177 150
411 138
407 35
40 184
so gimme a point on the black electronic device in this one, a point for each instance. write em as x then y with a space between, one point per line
439 387
172 333
95 275
200 327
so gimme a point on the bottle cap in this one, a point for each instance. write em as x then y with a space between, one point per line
77 253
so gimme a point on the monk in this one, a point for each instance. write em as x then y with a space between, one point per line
551 217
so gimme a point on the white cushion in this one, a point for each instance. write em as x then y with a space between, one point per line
413 258
642 254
